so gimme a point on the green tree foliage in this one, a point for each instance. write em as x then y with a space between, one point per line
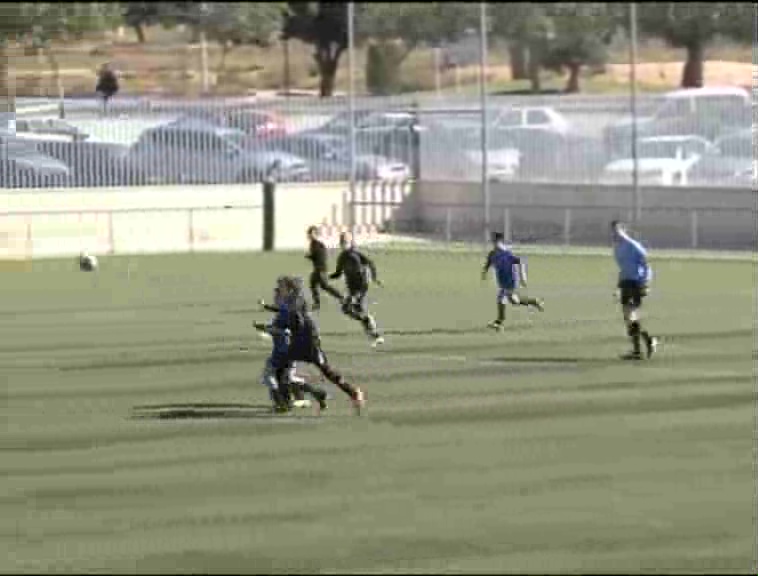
527 28
139 15
324 26
581 35
693 26
395 30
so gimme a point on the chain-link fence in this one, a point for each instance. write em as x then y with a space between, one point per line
695 138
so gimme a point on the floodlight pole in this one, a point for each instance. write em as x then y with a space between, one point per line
633 96
484 119
351 108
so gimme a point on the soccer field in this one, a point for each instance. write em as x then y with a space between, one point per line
137 435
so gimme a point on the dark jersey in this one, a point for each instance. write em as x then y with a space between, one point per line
505 264
305 333
355 266
318 255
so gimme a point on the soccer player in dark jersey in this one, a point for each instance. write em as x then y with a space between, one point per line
317 254
509 270
635 275
279 375
359 271
305 344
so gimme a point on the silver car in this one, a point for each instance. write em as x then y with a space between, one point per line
198 153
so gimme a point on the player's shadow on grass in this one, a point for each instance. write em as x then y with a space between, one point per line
205 411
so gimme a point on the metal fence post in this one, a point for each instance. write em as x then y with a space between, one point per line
567 227
507 225
111 233
191 224
448 225
485 130
694 229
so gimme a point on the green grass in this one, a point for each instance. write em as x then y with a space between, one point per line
530 451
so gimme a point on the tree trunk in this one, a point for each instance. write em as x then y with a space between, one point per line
221 73
534 68
139 30
327 59
572 87
57 78
7 85
517 52
692 76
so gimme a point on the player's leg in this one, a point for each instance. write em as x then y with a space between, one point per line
631 302
270 381
328 288
502 299
366 318
515 299
318 358
314 284
300 386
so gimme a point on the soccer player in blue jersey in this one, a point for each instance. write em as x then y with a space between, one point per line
510 270
635 275
279 375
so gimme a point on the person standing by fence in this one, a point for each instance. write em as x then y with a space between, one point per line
107 85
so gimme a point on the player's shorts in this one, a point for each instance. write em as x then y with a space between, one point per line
310 354
632 293
508 296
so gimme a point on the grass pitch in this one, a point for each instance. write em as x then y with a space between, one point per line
136 436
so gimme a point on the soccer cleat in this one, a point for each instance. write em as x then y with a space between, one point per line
539 304
377 341
496 325
304 403
632 356
359 400
652 346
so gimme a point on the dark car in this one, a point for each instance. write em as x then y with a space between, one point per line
730 164
22 165
200 153
328 157
92 164
254 123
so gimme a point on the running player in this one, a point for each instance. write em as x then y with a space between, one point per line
509 270
635 275
359 270
317 254
279 375
305 344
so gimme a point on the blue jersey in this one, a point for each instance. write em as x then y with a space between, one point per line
281 321
631 258
506 265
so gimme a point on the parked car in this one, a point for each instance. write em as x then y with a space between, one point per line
729 163
706 112
662 161
7 122
388 134
328 157
551 156
531 118
255 123
49 129
22 165
92 164
200 153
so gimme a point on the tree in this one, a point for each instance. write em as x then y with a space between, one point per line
46 22
581 34
395 30
12 25
138 15
693 26
527 28
324 25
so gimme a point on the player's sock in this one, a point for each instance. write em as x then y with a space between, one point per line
369 326
336 378
500 312
634 334
532 302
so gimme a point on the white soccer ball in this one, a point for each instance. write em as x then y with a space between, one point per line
87 262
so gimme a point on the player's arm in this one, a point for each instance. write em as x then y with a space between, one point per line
487 264
340 267
267 307
366 261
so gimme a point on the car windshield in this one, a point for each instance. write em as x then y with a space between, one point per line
740 147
